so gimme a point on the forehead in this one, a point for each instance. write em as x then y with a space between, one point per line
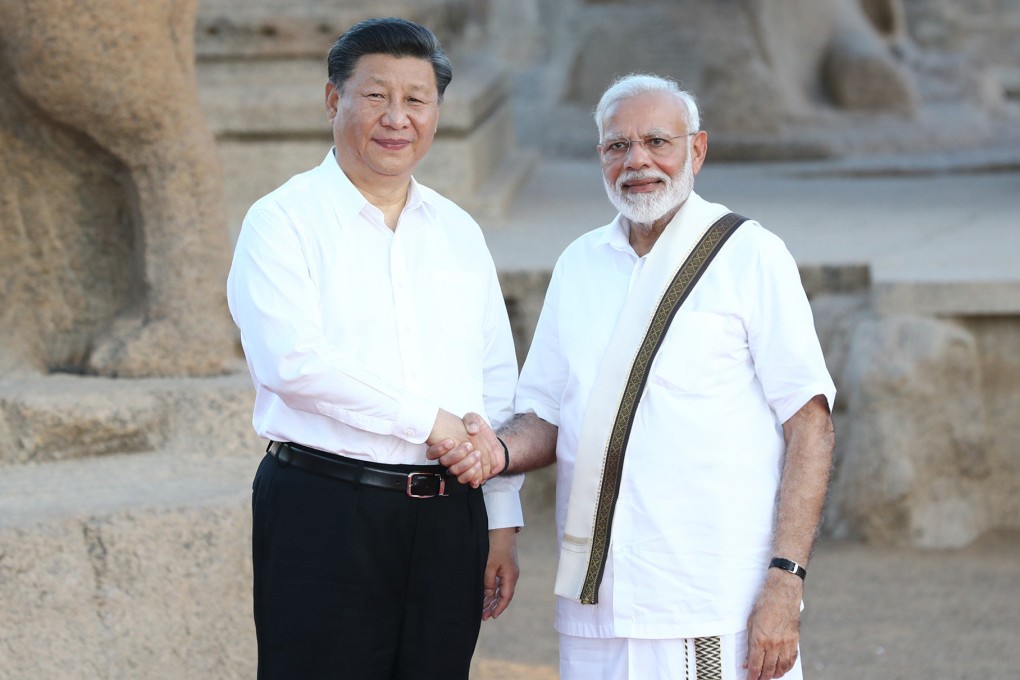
644 113
404 72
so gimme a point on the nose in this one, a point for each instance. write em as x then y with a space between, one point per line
395 115
637 156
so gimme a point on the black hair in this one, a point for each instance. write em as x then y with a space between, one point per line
397 37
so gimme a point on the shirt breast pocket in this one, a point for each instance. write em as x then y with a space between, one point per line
702 353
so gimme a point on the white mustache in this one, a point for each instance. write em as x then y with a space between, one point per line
633 176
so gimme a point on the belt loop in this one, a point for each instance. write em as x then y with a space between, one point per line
280 451
358 475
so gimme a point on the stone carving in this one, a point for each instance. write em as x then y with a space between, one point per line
111 206
841 50
776 78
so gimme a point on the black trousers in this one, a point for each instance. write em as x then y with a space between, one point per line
357 582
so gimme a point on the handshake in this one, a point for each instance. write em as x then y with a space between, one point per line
467 447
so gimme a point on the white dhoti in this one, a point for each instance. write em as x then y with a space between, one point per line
716 658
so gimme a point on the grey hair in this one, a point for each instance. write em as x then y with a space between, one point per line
640 83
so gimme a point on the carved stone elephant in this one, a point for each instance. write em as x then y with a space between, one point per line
112 220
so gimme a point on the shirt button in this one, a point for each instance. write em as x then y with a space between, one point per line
408 432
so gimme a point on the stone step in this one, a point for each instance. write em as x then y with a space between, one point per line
948 298
127 566
59 417
275 99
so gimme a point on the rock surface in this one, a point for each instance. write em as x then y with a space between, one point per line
914 458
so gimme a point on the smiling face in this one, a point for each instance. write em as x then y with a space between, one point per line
384 118
643 185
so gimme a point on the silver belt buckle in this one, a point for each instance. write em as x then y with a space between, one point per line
412 477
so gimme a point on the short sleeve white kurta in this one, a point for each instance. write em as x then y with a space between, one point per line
693 524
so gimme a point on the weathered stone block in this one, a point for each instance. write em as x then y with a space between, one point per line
55 420
910 466
131 567
50 626
62 417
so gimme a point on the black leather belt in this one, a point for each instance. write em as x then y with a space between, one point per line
415 483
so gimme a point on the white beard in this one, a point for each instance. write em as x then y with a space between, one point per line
644 209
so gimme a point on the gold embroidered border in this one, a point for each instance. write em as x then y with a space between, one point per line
609 487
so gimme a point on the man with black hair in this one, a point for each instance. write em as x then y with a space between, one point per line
371 561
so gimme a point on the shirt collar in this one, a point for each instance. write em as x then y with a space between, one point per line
348 202
616 234
416 198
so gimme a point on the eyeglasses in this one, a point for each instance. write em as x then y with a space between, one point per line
654 145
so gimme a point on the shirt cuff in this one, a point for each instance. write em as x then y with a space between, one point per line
416 419
503 506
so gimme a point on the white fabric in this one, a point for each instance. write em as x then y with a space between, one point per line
637 659
693 524
649 286
355 334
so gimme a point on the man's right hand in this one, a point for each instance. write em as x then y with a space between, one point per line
467 448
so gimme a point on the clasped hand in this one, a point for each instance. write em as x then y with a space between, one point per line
467 447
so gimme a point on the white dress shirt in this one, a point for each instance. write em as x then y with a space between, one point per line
356 335
693 525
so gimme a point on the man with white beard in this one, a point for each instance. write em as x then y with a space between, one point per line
676 379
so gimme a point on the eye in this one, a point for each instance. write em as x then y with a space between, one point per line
374 95
656 142
617 147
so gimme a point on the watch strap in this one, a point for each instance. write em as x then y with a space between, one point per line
788 565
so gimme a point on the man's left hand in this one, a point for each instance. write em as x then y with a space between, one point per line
773 629
501 572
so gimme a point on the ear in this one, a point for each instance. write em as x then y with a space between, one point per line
699 149
332 100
